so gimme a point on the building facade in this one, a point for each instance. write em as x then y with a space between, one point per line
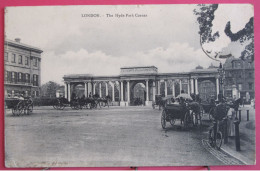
239 80
22 69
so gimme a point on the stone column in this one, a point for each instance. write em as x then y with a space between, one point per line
188 86
100 91
86 89
173 88
217 86
180 82
128 91
192 85
113 92
90 88
94 88
159 87
196 86
106 89
154 90
165 88
122 91
66 90
147 90
69 92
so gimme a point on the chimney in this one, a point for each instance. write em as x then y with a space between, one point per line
17 40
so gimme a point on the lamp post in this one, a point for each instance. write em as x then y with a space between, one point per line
221 73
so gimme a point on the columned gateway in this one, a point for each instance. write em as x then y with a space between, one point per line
149 82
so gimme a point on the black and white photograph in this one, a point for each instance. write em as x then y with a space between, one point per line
129 85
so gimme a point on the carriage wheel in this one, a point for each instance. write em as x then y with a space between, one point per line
55 106
172 122
163 119
15 111
21 110
61 107
218 140
29 109
95 105
77 106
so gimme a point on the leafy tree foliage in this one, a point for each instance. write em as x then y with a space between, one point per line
205 13
49 89
246 34
205 16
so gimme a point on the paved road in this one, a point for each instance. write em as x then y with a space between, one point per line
117 136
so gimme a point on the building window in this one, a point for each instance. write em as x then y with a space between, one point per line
19 77
250 86
26 60
37 93
6 56
6 75
14 77
35 80
13 58
35 62
250 75
26 78
20 59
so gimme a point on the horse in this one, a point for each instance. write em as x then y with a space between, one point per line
195 108
106 100
91 102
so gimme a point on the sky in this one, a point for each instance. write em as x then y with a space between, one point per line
166 38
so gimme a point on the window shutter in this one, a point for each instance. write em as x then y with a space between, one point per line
29 79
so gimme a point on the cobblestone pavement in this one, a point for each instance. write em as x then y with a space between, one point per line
221 155
115 136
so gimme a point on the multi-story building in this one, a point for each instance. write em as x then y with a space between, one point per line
239 78
22 69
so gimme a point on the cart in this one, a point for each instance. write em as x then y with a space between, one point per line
173 112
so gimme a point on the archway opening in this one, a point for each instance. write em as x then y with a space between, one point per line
207 90
139 95
78 91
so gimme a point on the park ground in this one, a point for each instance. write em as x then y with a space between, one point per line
115 136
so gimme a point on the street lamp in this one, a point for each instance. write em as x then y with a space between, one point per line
221 73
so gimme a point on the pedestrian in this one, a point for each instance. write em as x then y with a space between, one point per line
244 100
231 116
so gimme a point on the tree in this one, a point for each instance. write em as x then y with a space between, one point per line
49 89
205 13
243 35
205 16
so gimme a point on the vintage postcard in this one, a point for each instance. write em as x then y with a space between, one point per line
129 85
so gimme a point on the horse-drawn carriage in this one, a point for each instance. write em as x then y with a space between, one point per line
61 103
20 106
173 112
210 107
187 111
80 103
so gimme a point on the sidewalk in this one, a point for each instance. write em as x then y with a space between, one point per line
247 138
